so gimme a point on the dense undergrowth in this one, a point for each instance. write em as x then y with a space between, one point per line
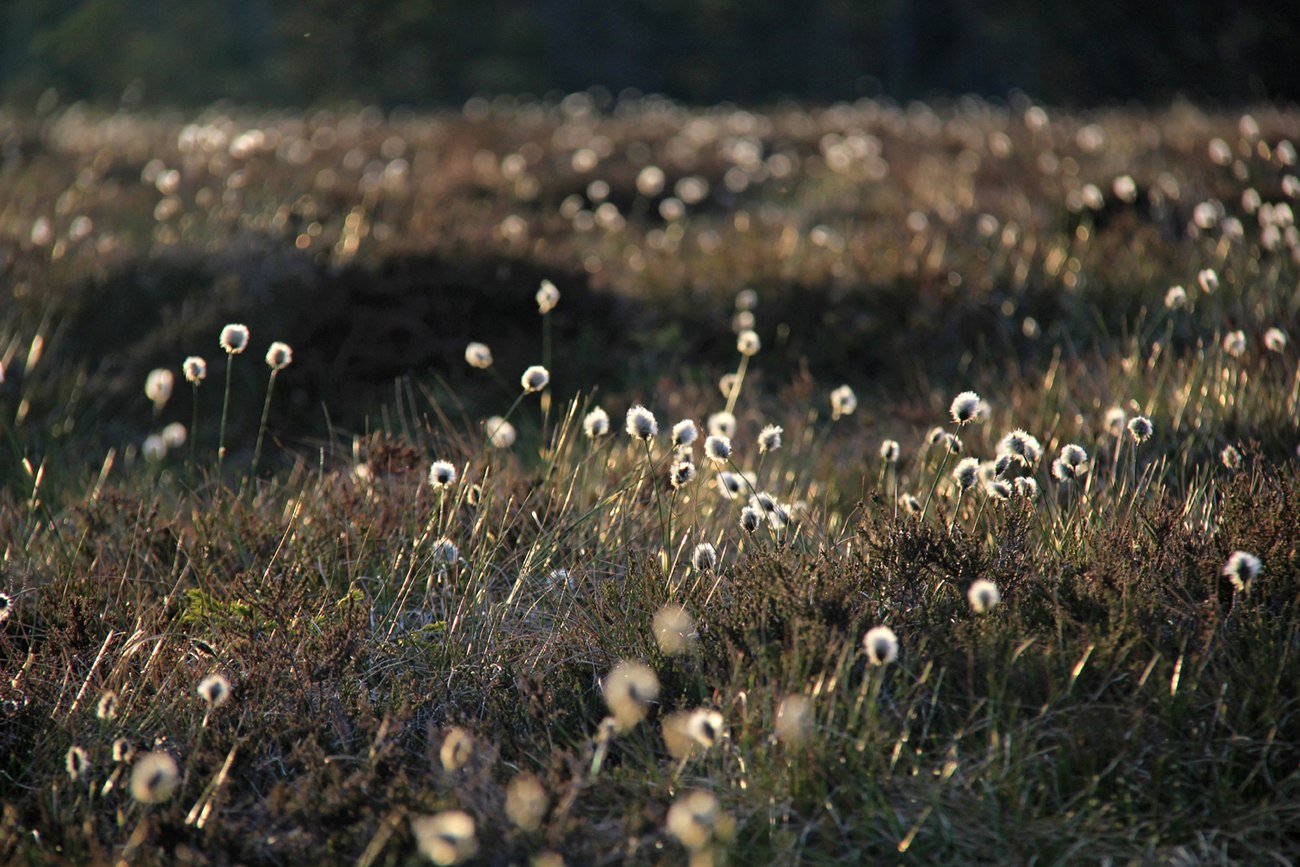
397 639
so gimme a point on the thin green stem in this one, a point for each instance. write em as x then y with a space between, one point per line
225 408
261 428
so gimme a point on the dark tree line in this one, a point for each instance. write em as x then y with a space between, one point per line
422 52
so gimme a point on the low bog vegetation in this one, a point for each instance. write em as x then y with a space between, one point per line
650 486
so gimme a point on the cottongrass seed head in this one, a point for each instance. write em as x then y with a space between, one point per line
747 342
215 690
965 408
1026 487
1241 568
684 433
717 449
442 474
1114 421
234 338
983 595
730 485
681 474
705 557
195 369
793 719
526 802
457 749
641 423
154 778
77 762
1230 457
721 424
501 433
123 750
674 629
910 504
6 607
106 707
1140 428
843 402
595 424
1176 298
547 297
769 438
158 386
1208 280
967 473
889 451
629 689
881 645
446 838
1275 340
535 378
478 355
692 818
1234 343
279 356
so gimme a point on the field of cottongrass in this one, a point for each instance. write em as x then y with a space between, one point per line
597 483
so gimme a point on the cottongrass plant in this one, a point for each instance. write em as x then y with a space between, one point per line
195 370
233 341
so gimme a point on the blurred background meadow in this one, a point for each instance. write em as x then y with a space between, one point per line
964 526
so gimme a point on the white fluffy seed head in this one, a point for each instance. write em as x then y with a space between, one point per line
1140 428
158 386
195 369
1234 343
684 433
154 778
1241 568
1026 487
889 451
457 749
750 519
526 802
501 433
717 449
881 645
234 338
478 355
793 719
77 761
215 690
629 689
681 474
910 504
442 474
1230 457
769 438
1176 298
547 297
106 707
1114 421
1275 340
674 629
705 726
446 838
641 423
721 424
983 595
596 423
1208 280
535 378
967 473
279 356
747 342
705 557
691 819
843 402
965 407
